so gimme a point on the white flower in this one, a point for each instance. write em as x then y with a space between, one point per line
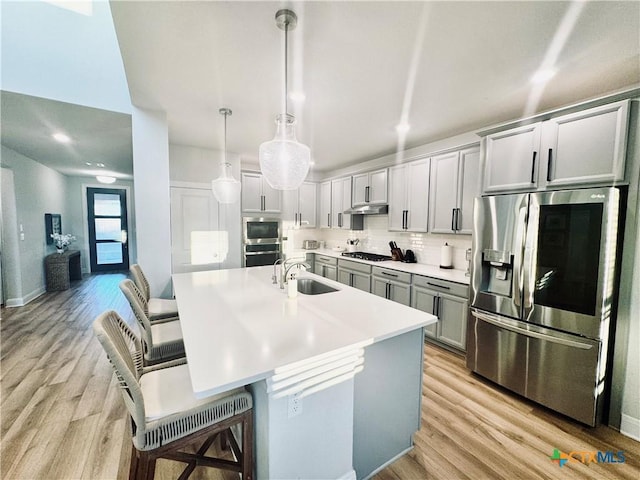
62 240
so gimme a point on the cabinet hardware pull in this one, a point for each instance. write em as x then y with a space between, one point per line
405 219
366 194
439 286
388 292
300 219
458 221
295 221
453 219
433 306
389 274
328 220
351 279
549 165
438 307
533 167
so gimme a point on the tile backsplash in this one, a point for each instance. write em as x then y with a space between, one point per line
375 238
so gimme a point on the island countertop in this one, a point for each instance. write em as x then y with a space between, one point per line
238 327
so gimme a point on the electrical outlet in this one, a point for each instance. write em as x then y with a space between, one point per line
294 406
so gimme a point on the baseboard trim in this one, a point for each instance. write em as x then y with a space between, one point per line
350 475
22 301
386 464
630 427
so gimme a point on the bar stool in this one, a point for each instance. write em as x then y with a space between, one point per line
165 415
157 308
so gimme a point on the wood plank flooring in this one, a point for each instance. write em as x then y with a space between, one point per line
62 415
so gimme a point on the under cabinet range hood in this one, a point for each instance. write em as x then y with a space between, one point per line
368 210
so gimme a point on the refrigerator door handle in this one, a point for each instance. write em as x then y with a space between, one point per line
495 320
518 256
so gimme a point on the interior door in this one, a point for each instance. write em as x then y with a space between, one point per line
107 220
197 243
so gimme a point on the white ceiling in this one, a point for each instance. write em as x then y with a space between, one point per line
448 67
451 67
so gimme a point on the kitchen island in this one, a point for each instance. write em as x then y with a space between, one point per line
336 377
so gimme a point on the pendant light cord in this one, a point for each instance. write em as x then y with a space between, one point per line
286 68
225 139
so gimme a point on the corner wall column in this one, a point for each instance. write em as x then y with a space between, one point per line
152 198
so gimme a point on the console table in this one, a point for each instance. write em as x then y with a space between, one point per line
61 268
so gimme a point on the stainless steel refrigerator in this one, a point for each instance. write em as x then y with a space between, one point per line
543 291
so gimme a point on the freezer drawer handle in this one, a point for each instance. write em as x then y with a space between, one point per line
498 323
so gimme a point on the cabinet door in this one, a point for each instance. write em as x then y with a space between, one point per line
346 203
344 276
585 147
397 196
452 312
290 206
337 192
512 159
361 281
425 300
271 198
378 186
318 268
443 192
417 196
325 205
307 205
468 188
400 292
359 185
251 192
379 287
331 272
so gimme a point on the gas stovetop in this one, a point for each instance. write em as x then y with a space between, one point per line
372 257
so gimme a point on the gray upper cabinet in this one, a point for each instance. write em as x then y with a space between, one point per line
340 201
370 188
325 205
582 148
511 159
585 147
257 194
299 206
409 196
454 185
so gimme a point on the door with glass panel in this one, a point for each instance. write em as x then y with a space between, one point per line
107 218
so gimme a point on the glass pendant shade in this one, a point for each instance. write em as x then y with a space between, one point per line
284 161
226 188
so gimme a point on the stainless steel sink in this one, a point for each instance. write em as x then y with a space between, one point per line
309 286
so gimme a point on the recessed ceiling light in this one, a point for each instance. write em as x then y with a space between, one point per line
61 137
101 165
88 163
543 75
403 128
103 179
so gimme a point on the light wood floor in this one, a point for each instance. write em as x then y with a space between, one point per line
62 416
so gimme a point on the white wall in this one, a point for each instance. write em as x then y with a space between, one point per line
38 190
152 210
51 52
11 273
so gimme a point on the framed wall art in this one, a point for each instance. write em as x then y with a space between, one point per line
52 224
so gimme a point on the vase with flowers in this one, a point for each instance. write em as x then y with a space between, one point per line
62 241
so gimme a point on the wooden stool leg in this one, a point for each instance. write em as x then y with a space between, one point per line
247 446
134 463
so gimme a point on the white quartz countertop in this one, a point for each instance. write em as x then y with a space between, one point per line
239 328
452 275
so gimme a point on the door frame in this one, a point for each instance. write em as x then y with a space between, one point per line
86 263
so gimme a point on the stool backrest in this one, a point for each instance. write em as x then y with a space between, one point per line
124 351
140 280
140 310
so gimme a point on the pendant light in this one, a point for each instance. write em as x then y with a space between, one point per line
226 188
284 161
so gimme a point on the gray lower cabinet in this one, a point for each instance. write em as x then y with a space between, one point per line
391 284
326 267
446 300
355 274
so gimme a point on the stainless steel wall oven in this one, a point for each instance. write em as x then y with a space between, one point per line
543 295
262 239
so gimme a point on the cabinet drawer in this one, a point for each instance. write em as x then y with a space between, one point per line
355 266
442 286
390 274
326 260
